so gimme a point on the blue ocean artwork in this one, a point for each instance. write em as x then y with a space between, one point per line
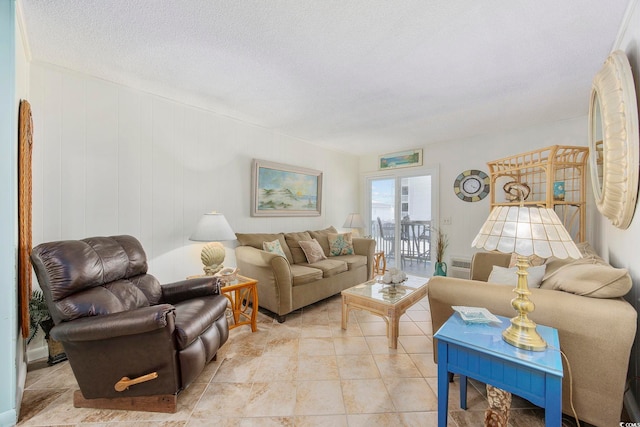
285 190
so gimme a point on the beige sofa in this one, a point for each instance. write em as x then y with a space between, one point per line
288 283
596 332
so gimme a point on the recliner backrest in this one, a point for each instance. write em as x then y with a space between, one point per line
94 276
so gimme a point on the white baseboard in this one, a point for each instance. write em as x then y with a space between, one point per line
8 418
37 353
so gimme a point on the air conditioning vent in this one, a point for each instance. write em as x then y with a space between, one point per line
460 267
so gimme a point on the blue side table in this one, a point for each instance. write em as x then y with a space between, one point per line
478 351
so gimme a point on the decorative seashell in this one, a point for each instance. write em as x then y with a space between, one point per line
212 254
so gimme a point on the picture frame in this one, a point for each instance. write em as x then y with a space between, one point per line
284 190
401 159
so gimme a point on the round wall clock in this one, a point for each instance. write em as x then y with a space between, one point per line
472 185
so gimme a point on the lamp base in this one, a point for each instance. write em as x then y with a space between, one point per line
212 257
523 334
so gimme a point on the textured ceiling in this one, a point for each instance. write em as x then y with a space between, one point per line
354 75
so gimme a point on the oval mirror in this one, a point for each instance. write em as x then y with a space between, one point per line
596 152
613 140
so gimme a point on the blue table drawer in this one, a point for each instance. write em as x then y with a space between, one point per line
527 383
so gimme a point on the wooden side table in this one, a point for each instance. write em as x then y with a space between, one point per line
240 292
478 351
379 263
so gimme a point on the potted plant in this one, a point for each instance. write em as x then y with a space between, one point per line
39 317
442 241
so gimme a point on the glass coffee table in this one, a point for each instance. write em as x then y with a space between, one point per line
384 300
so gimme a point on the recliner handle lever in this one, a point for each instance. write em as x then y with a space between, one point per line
126 382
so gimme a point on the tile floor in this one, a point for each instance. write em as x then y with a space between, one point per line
304 372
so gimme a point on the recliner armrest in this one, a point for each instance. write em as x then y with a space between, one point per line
107 326
191 288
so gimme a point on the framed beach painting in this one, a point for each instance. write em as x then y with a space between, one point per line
402 159
284 190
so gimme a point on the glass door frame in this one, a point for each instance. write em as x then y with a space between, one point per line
397 174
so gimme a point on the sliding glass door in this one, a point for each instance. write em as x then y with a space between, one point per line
400 216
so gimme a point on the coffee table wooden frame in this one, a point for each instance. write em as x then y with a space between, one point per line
390 312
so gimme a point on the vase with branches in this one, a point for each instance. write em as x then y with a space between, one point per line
442 241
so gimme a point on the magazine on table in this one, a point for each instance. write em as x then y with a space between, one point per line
475 314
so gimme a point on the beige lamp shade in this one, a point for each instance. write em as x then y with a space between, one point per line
354 220
212 227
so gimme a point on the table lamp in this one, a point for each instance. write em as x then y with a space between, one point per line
354 220
525 231
212 228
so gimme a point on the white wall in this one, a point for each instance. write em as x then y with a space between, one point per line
620 247
109 159
454 157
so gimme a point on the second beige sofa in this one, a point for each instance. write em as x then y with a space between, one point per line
287 283
595 326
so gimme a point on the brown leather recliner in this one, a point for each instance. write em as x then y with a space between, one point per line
127 337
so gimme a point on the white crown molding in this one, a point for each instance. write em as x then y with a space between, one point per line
624 26
23 30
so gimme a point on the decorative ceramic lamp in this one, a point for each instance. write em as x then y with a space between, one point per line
525 231
354 221
212 228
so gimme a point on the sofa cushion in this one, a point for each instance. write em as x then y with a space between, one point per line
303 274
292 240
340 244
312 250
330 267
588 277
353 261
257 239
509 276
322 236
274 247
589 255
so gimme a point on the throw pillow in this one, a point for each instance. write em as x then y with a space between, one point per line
508 276
274 247
312 250
591 278
257 239
340 244
293 242
322 237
